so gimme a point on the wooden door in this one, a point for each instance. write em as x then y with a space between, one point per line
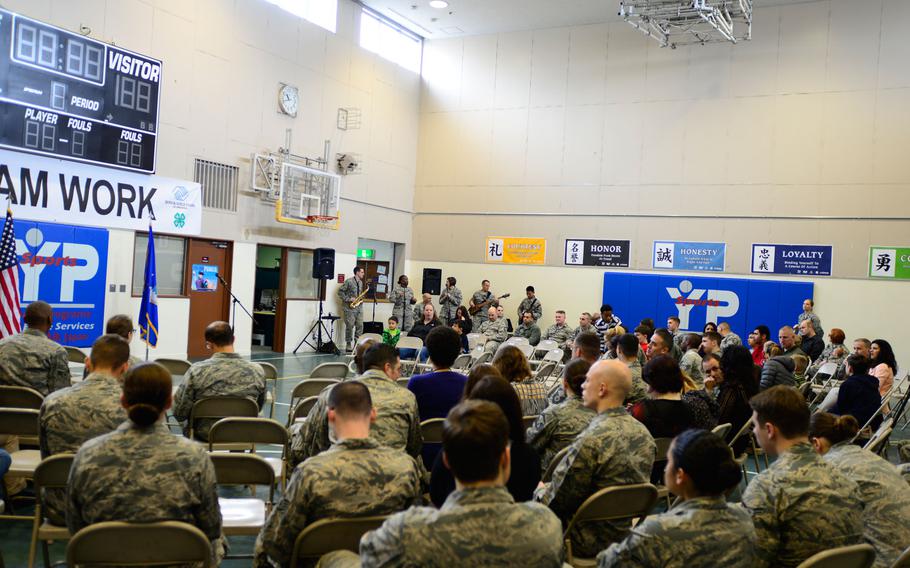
209 300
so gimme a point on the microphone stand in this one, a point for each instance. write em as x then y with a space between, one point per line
234 302
372 285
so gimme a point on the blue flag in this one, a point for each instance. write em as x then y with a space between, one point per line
148 311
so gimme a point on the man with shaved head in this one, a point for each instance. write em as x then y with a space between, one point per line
224 374
615 449
30 359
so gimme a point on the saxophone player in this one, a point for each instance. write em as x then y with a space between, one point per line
351 295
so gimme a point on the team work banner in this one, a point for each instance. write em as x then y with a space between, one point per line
47 189
516 250
889 262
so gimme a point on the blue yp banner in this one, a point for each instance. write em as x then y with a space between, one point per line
812 260
66 267
676 255
743 303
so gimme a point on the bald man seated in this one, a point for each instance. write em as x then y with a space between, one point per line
615 449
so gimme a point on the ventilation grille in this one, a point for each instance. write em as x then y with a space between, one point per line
219 184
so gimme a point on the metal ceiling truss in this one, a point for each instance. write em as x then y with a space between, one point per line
690 22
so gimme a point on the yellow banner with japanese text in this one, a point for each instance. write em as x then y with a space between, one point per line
516 250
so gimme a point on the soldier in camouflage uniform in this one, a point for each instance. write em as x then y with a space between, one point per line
628 342
808 306
224 374
353 317
559 332
449 300
356 477
71 416
800 505
530 304
615 449
729 338
141 472
690 363
397 420
122 325
703 531
417 310
493 331
528 329
559 424
402 298
30 359
885 494
477 300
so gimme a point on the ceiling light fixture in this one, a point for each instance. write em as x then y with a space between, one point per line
440 4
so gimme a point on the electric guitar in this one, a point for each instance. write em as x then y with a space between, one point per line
477 307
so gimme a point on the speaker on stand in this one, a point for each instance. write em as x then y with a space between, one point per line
432 281
323 270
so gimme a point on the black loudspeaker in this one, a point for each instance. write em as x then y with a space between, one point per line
372 327
324 264
432 281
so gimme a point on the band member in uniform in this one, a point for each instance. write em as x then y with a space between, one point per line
449 300
530 304
402 298
353 291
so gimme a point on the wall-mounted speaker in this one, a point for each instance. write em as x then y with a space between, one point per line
432 281
324 264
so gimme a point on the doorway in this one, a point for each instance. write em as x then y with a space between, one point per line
208 263
267 298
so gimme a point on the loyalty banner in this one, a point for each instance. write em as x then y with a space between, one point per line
587 252
812 260
47 189
889 262
678 255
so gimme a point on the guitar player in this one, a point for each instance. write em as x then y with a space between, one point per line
481 302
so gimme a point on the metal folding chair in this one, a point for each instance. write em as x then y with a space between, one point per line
116 543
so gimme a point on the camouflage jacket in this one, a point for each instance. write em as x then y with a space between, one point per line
31 360
449 300
557 426
704 532
495 330
639 390
690 364
559 333
530 332
802 506
353 478
530 305
615 449
350 289
401 297
730 340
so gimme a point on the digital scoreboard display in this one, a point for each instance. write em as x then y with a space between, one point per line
68 96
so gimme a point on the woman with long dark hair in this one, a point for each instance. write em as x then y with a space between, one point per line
734 391
884 364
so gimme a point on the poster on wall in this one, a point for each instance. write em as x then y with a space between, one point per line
52 190
683 255
743 303
205 278
889 262
516 250
66 267
814 260
588 252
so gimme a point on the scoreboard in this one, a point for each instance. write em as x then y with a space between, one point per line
68 96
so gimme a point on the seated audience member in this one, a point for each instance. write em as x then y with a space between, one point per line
884 365
702 405
811 344
391 334
627 353
663 413
777 371
703 531
356 477
559 424
422 327
525 462
757 340
493 331
122 325
465 323
772 350
615 449
690 362
710 343
397 422
861 346
729 338
608 325
788 341
800 505
30 359
528 329
643 335
800 364
835 352
71 416
363 344
141 472
710 326
478 372
559 331
885 494
418 309
225 373
661 343
585 325
648 323
513 365
479 524
501 313
858 396
586 347
737 386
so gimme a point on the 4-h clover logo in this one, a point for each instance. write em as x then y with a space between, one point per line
179 220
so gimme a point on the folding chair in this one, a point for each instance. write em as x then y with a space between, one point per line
410 343
483 359
551 467
175 366
545 370
243 516
431 430
545 346
403 382
52 473
462 362
515 340
328 535
375 336
662 446
722 430
334 370
116 543
75 355
310 387
742 459
879 440
856 556
20 397
271 374
23 423
252 431
219 407
302 409
620 503
473 338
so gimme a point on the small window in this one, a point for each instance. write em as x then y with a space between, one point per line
299 281
169 259
389 41
323 13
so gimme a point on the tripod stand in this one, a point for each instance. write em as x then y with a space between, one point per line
318 327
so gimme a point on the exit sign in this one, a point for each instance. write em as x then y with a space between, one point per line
366 253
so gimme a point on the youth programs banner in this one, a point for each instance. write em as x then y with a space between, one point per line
47 189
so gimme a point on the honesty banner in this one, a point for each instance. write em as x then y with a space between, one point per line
589 252
792 259
889 262
47 189
516 250
684 255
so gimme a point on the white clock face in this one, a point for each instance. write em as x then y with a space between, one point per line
288 100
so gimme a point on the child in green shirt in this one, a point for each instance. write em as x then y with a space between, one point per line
391 335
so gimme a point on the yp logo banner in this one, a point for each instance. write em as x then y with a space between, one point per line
743 303
66 267
516 250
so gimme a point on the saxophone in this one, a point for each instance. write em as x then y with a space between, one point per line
359 299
